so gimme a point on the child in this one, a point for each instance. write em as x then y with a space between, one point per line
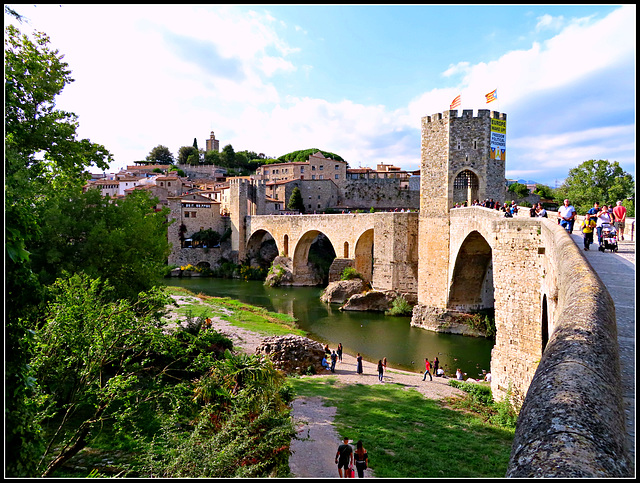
588 224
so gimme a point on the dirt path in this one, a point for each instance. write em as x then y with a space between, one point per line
313 454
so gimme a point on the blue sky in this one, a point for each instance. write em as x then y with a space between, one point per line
353 80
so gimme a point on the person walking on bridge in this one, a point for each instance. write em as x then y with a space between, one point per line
620 215
567 216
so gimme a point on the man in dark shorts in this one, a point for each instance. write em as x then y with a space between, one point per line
344 457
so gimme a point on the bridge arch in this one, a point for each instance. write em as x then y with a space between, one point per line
363 255
255 245
471 287
303 273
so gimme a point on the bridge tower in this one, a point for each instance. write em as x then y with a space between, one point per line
463 159
246 198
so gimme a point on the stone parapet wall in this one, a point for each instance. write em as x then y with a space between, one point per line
572 421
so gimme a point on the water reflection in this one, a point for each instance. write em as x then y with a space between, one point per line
372 334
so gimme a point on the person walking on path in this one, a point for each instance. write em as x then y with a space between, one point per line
359 367
344 457
340 351
361 458
380 370
620 215
588 225
427 367
603 218
334 358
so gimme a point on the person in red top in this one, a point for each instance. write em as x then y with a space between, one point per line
620 214
427 367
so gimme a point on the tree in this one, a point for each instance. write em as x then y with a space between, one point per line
544 191
228 157
519 189
160 155
303 156
596 180
42 154
188 155
295 201
212 158
89 358
123 242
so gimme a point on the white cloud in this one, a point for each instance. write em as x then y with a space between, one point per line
546 21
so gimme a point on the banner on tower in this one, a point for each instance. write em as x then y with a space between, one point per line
498 139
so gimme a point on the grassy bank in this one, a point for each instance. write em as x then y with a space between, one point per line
407 435
238 314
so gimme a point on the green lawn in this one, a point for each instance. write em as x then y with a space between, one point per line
410 436
255 319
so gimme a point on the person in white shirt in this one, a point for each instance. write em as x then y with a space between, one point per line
567 216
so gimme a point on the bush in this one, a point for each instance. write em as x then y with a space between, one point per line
480 400
400 307
349 273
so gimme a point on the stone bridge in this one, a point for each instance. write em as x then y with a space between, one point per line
543 293
380 246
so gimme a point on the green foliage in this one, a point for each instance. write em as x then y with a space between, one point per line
208 237
483 321
544 191
124 242
520 190
596 180
503 413
243 429
400 307
349 273
303 156
295 200
89 357
276 272
188 155
160 155
42 154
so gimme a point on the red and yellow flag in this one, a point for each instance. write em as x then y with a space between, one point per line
455 103
492 96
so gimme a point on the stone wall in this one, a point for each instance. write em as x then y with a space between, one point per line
572 420
384 194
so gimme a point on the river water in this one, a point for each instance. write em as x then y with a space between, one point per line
372 334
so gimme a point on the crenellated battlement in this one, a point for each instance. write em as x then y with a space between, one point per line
466 114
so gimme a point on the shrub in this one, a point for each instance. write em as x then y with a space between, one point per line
349 273
400 307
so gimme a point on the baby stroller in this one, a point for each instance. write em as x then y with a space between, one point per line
609 239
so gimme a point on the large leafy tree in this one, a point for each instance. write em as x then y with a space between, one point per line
123 242
161 155
596 180
42 154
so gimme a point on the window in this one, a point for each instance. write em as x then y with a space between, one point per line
313 168
321 176
313 176
302 169
337 166
337 176
321 167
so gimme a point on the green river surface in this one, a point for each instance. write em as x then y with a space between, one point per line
372 334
